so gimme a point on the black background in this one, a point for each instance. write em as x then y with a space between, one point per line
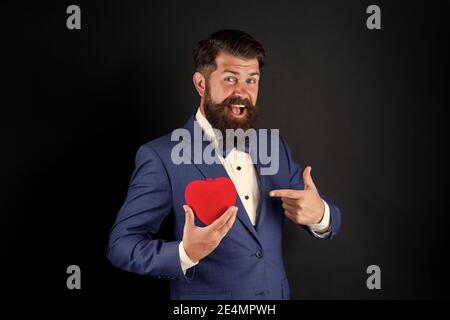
367 109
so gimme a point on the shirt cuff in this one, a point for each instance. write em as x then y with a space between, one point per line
186 263
324 225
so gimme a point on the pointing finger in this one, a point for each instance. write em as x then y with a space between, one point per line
288 193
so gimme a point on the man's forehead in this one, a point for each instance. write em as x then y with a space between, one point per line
226 61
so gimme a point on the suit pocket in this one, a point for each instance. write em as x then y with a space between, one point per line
205 295
286 292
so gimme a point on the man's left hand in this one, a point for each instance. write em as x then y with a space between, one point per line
302 206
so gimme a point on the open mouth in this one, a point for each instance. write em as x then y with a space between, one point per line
237 110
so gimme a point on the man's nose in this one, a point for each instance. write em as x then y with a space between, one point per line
240 91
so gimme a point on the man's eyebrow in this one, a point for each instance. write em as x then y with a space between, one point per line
237 73
230 71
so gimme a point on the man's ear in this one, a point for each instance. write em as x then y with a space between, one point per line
199 83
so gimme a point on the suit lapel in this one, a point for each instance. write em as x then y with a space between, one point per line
264 184
264 194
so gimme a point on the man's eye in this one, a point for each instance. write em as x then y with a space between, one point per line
230 79
251 81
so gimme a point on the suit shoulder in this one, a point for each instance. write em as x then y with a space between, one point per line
161 145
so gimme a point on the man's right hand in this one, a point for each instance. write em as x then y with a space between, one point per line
199 242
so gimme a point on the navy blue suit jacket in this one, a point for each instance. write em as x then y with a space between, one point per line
248 262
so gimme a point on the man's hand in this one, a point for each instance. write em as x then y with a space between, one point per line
302 206
199 242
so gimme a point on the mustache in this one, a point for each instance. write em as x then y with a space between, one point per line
237 100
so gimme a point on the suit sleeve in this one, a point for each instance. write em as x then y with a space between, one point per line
296 182
148 202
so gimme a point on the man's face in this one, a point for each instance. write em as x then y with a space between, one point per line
231 93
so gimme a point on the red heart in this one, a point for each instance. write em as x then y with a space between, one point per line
210 198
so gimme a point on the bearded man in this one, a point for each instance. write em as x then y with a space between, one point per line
239 255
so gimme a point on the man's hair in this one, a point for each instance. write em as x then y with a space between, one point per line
235 42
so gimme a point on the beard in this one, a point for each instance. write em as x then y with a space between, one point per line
220 117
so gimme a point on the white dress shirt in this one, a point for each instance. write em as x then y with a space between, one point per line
240 169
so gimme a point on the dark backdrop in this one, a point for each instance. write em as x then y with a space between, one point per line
367 109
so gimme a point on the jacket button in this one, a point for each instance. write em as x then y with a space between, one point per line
258 254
